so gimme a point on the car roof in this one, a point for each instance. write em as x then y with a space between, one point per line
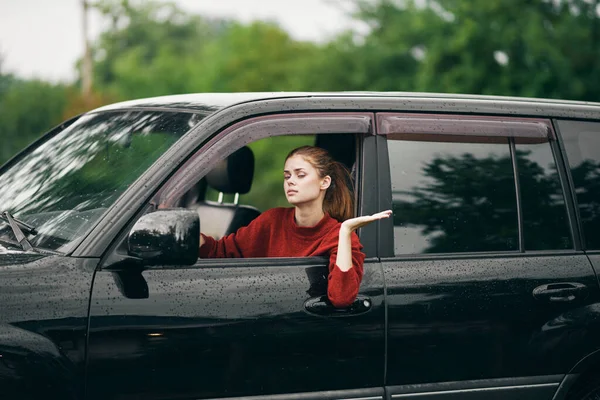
210 102
200 101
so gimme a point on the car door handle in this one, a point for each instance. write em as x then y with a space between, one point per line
562 292
322 306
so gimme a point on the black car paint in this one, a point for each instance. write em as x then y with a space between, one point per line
221 329
464 319
45 301
44 313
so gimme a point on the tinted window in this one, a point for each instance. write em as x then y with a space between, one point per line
453 197
65 184
582 143
545 221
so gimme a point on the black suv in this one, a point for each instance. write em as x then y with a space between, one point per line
482 285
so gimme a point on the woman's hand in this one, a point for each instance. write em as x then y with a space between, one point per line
353 224
344 253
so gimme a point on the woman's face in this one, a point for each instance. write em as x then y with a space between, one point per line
301 181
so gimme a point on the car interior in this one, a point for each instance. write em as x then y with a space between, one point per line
235 176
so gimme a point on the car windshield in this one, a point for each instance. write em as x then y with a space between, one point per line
64 185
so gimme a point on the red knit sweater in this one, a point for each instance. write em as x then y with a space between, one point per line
275 234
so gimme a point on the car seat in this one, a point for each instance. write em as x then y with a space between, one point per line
232 175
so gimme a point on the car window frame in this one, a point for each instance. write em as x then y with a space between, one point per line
513 128
252 129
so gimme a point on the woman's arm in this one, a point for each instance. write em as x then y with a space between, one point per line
345 273
240 244
344 249
226 247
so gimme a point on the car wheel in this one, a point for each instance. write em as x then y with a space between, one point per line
589 392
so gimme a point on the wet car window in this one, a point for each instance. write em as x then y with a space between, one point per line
452 197
545 221
63 186
582 143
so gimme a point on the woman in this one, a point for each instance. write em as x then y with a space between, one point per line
319 224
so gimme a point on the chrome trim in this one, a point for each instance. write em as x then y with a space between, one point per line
362 398
456 391
363 394
300 396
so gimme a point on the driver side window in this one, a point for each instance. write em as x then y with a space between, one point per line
248 182
265 187
245 184
237 176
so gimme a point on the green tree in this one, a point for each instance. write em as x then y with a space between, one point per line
256 57
27 110
149 48
155 48
537 48
6 80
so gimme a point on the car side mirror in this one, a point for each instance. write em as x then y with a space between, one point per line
166 237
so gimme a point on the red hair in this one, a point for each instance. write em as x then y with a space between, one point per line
339 201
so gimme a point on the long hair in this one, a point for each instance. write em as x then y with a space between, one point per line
339 201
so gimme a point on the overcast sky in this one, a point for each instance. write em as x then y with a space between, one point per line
42 38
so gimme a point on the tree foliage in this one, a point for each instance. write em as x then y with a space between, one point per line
156 49
27 109
539 48
468 204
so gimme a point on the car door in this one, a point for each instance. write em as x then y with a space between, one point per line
240 327
486 280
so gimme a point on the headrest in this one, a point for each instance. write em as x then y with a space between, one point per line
233 174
